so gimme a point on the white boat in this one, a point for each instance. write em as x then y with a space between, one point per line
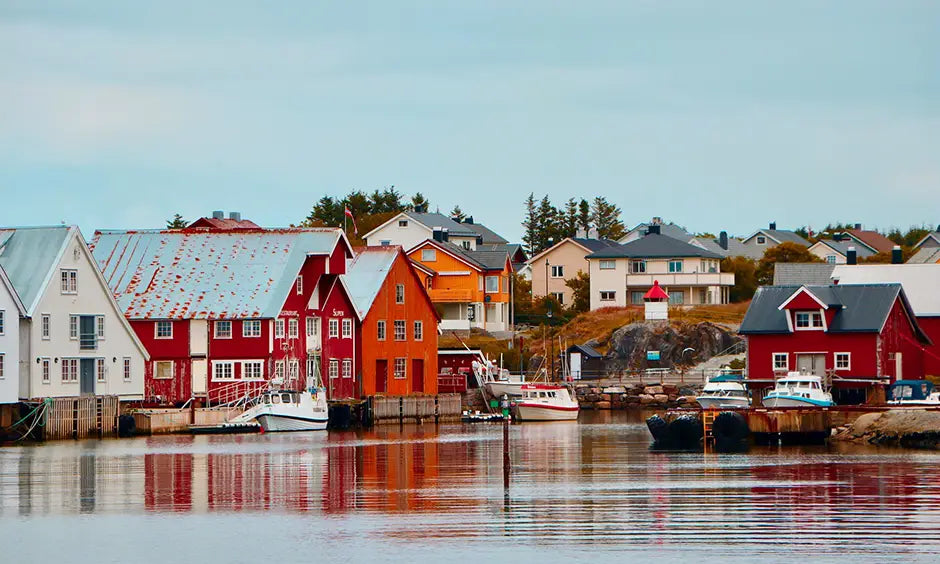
545 402
288 410
798 390
498 381
913 392
724 394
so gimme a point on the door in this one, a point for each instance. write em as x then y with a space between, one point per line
87 376
811 364
898 365
198 337
313 334
313 372
417 375
575 365
381 376
200 376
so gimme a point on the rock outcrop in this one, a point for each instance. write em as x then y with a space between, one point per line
914 428
629 344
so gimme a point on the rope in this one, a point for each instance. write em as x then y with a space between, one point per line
42 404
39 417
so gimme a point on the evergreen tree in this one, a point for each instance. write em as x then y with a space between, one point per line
419 202
606 218
326 212
584 215
548 228
358 203
457 214
177 222
530 226
570 219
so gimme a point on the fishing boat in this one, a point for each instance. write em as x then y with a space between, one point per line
288 410
498 381
913 392
725 391
798 390
546 402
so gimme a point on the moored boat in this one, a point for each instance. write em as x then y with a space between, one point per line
546 402
798 390
913 392
724 392
288 410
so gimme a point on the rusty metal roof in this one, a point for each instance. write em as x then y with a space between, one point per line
183 274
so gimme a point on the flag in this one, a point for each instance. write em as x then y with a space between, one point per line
348 213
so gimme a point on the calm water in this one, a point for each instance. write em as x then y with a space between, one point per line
588 491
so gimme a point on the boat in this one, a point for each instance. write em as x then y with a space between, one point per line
913 392
288 410
724 391
498 381
546 402
798 390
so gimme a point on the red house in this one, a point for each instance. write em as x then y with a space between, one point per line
398 329
223 311
861 336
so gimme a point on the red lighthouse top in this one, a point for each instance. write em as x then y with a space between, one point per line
656 293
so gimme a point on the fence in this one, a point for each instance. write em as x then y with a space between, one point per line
81 417
396 409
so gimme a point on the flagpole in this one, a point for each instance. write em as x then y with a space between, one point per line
344 216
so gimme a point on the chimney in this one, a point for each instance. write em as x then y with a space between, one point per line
445 235
723 240
657 221
479 240
219 214
896 256
468 219
858 226
773 225
851 257
438 234
653 230
235 216
580 233
592 233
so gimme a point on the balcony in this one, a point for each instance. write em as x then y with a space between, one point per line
455 325
451 295
684 279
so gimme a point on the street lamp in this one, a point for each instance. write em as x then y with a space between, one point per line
546 278
551 344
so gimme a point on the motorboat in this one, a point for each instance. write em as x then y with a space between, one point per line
798 390
725 391
288 410
546 402
498 381
913 392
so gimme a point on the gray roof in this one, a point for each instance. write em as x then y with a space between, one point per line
842 247
926 255
667 229
489 236
803 273
735 247
585 350
782 236
433 220
366 273
509 248
859 308
486 260
654 246
918 280
595 245
29 255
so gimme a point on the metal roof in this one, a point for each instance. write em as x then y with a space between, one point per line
585 350
735 247
667 229
782 236
28 255
654 246
179 274
803 273
842 247
920 282
490 237
433 220
926 255
366 273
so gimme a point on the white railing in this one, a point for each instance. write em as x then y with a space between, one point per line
683 279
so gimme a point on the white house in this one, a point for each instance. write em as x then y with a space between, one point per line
408 228
11 311
73 338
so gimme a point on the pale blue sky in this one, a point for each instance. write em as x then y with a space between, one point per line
715 115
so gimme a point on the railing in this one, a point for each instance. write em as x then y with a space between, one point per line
236 392
682 279
451 383
88 341
451 295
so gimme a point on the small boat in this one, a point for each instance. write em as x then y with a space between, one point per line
798 390
546 402
913 392
288 410
724 391
498 381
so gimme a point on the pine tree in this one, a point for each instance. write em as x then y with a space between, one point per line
584 215
457 214
548 228
530 226
327 211
570 219
177 222
419 203
606 217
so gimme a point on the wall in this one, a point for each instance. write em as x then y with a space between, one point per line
179 388
822 251
337 306
862 346
567 254
608 280
9 348
898 337
931 326
407 237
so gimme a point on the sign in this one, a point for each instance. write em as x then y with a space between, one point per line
338 313
652 355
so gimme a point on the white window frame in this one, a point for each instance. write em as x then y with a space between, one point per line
68 281
333 328
156 329
848 360
279 328
831 259
403 373
558 271
45 370
251 328
45 326
73 327
293 328
255 366
126 365
69 369
99 327
347 368
333 368
156 369
381 330
222 323
399 293
400 330
607 264
300 285
761 240
559 297
418 330
279 370
428 255
492 288
611 295
786 363
101 371
675 266
311 325
813 316
223 364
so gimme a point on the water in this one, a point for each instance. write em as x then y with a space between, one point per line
588 491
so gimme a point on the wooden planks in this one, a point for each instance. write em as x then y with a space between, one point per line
81 417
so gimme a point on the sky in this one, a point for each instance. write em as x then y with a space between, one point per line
716 115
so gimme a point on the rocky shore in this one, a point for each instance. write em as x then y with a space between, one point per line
911 428
591 396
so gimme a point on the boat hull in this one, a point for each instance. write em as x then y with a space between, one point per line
723 403
499 389
794 401
280 423
531 412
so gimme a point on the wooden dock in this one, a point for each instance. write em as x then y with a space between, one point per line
417 408
81 417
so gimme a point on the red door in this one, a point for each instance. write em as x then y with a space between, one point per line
417 375
381 376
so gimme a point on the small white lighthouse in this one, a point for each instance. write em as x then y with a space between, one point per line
656 303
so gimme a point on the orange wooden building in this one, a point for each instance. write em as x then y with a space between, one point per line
398 332
470 289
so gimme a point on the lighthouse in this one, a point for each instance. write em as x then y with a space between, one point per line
656 303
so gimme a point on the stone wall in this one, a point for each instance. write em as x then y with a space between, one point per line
634 396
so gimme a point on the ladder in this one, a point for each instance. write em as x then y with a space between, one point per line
708 418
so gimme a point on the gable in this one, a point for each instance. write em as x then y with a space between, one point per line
29 256
446 259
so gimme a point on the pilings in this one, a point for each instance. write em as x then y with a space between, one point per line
81 417
397 409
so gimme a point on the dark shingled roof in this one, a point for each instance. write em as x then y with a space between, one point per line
585 350
860 308
595 245
654 246
803 273
487 260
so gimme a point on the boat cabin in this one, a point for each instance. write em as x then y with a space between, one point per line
910 390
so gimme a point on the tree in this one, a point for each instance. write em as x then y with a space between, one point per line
548 228
784 252
326 212
745 277
419 203
530 226
885 257
606 218
581 286
570 222
457 214
177 222
584 215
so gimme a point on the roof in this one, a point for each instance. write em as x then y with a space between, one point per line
585 350
480 260
935 235
29 255
509 248
780 236
873 239
802 273
432 220
5 282
366 274
735 247
654 246
859 308
589 245
919 282
656 292
926 255
489 236
184 274
842 247
667 229
224 224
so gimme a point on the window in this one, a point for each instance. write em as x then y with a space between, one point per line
558 271
223 329
69 370
675 266
472 312
638 266
163 370
636 297
251 328
419 330
831 259
100 370
677 297
843 361
608 295
347 328
781 362
46 371
2 319
492 283
809 320
278 328
300 285
347 368
465 245
73 327
163 330
69 281
428 255
45 325
400 330
334 368
99 327
380 330
334 328
223 370
293 370
761 240
2 358
279 370
559 297
400 367
385 242
403 223
399 293
608 264
127 369
253 370
293 328
313 327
